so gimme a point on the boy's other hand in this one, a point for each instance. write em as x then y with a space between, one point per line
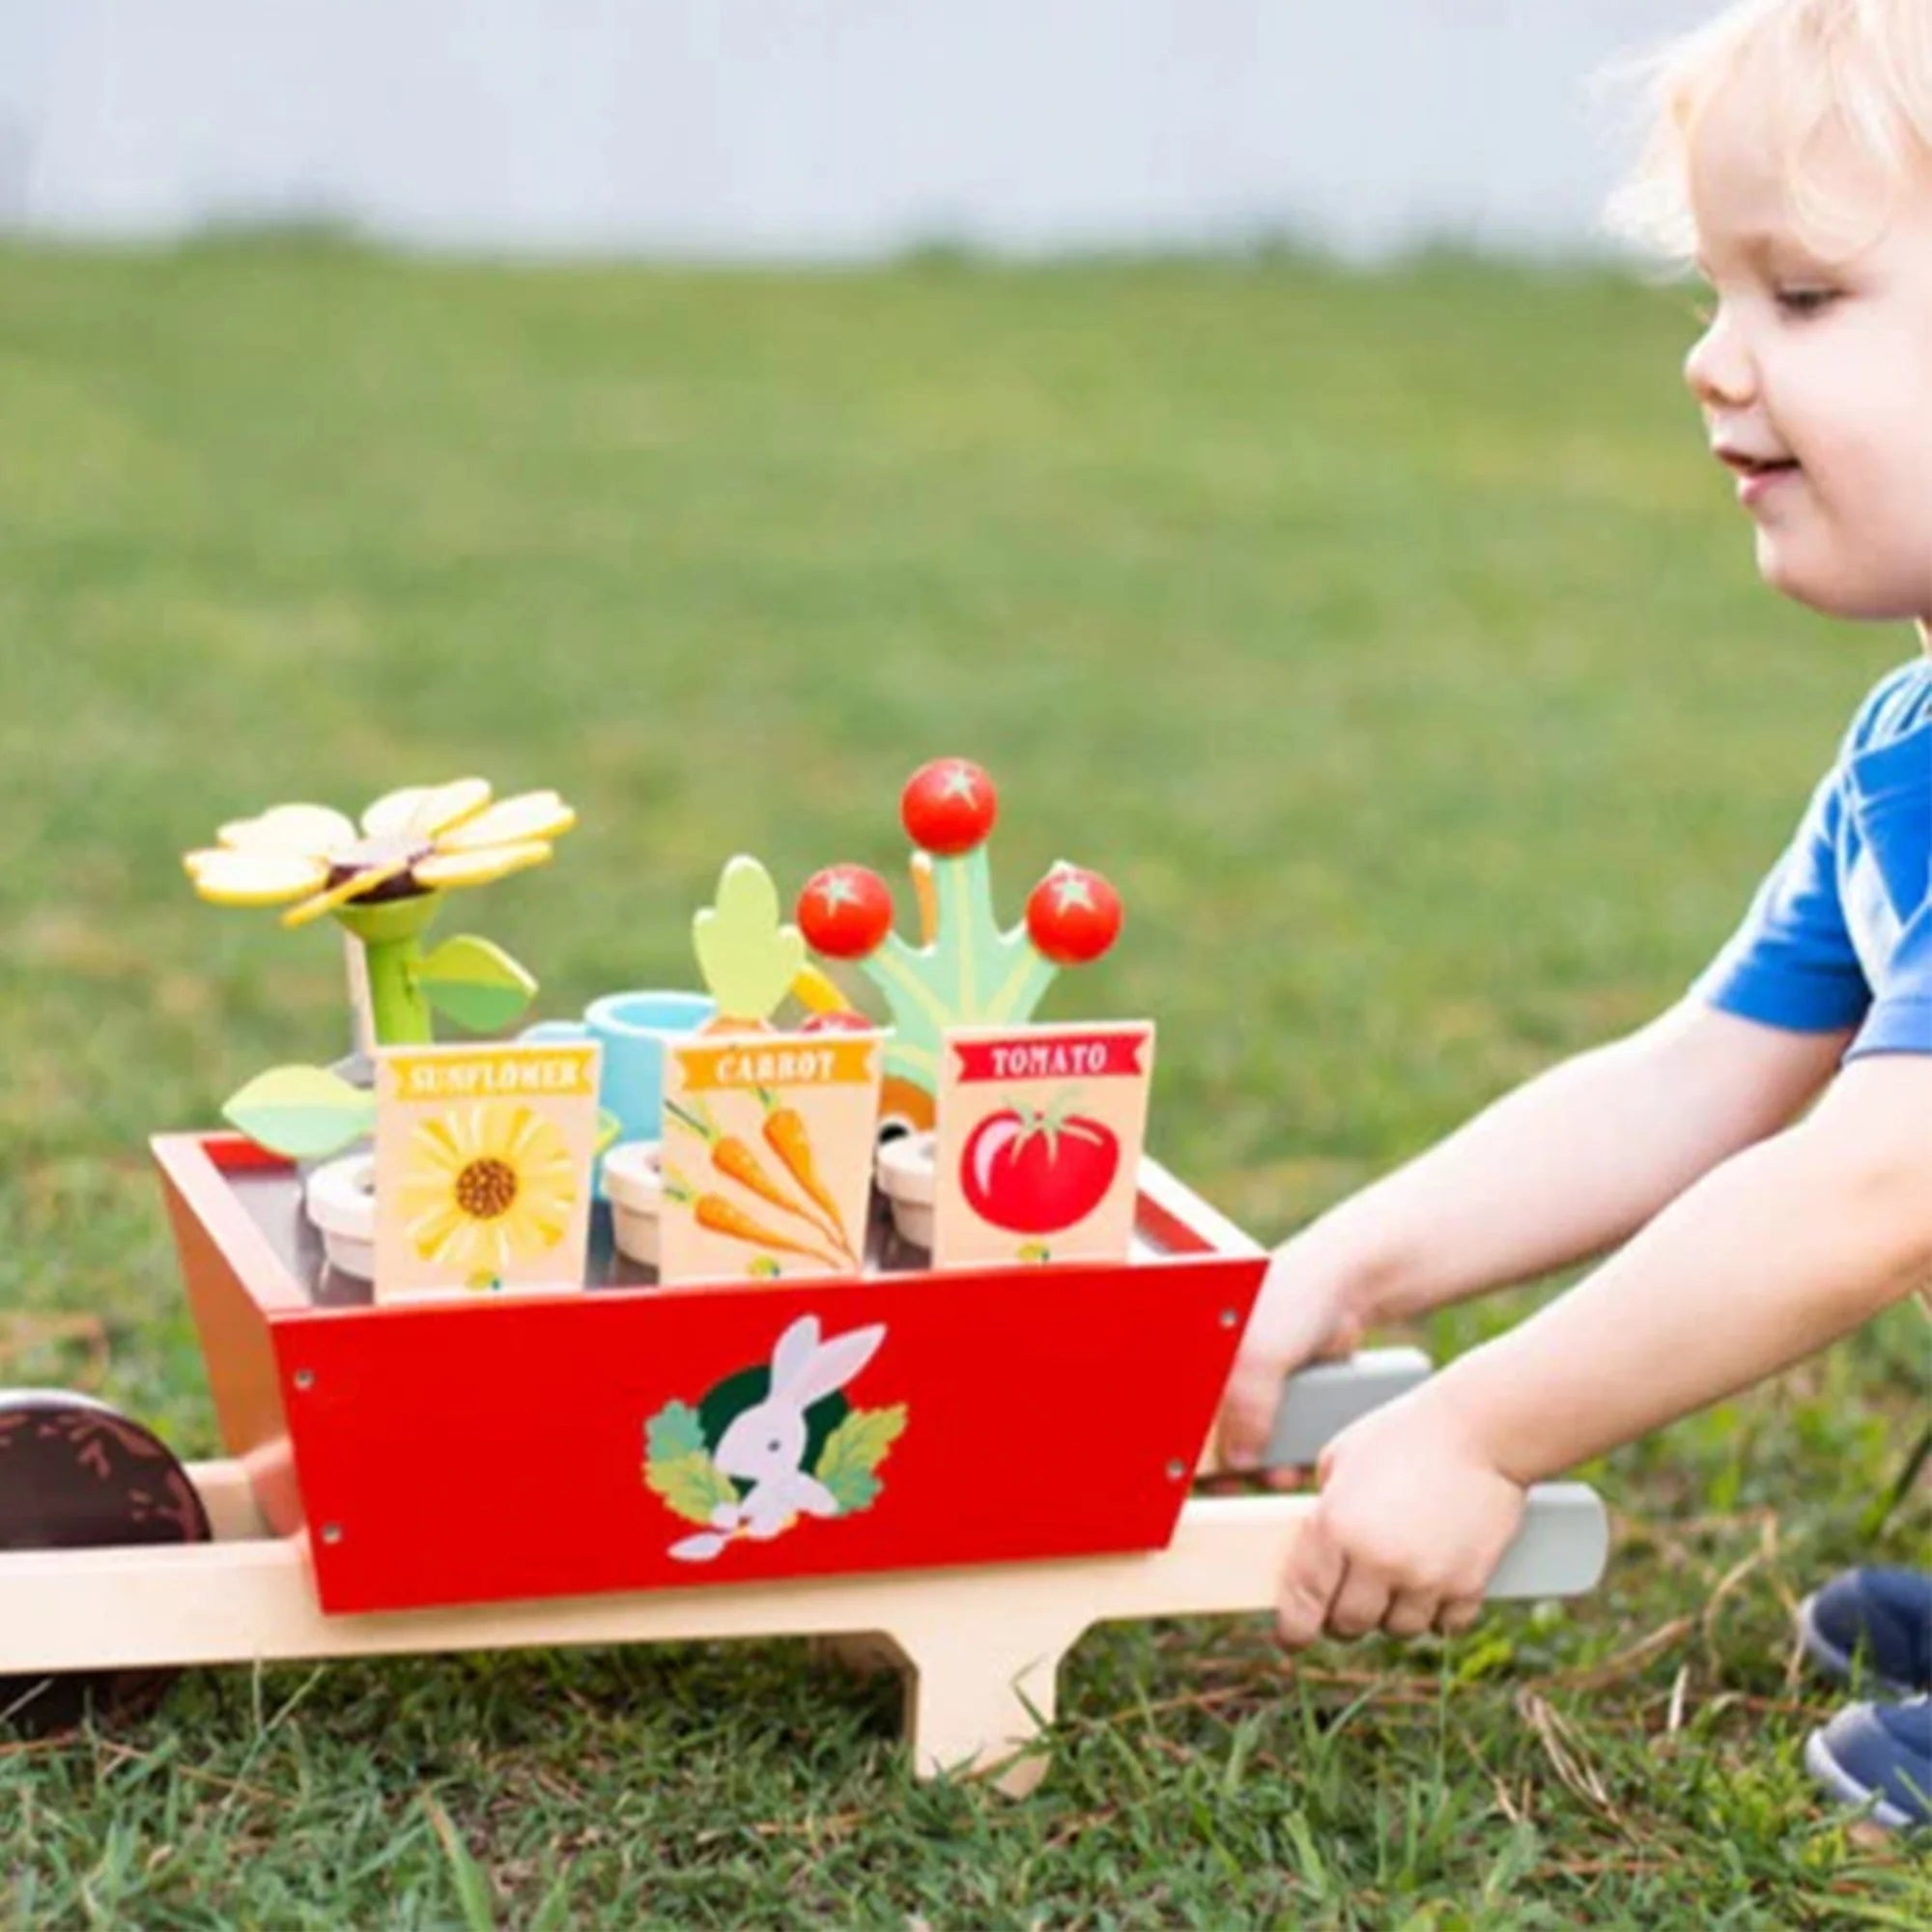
1301 1315
1410 1524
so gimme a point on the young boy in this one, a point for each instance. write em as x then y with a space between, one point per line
1795 138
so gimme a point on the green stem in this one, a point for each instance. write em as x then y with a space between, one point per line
401 1013
391 935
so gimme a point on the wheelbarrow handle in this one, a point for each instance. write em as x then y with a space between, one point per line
1321 1401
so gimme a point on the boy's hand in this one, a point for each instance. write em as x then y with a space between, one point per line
1302 1315
1410 1524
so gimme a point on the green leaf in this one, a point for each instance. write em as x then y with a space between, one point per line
747 958
854 1450
674 1430
692 1485
475 983
306 1112
854 1490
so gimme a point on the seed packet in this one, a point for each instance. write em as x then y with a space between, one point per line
1039 1143
768 1155
483 1158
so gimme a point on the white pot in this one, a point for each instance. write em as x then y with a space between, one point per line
905 1168
633 1185
341 1201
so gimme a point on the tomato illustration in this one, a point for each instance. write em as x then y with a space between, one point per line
1033 1172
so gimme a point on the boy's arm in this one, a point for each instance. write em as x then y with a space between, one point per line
1565 1167
1781 1250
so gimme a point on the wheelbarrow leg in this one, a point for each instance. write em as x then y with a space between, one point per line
977 1696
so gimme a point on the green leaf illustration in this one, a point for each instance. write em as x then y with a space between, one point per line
692 1485
674 1430
854 1450
306 1112
745 956
475 983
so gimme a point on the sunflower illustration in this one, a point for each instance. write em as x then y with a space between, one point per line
486 1186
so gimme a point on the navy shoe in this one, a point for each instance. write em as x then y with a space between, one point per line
1881 1619
1879 1756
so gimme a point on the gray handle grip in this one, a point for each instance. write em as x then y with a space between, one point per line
1562 1547
1319 1402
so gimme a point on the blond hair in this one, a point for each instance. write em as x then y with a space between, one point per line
1841 76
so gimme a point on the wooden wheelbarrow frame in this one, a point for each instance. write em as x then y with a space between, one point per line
977 1622
979 1650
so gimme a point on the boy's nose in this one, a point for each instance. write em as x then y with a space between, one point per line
1718 368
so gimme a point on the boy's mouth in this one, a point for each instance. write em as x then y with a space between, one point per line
1755 474
1746 464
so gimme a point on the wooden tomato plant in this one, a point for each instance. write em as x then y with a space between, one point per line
966 970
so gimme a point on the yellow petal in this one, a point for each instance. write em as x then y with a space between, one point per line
478 868
351 888
532 814
314 831
225 876
421 811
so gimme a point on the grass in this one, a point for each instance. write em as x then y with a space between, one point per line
1386 640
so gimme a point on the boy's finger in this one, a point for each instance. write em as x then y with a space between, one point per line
1412 1613
1309 1581
1247 1414
1458 1614
1361 1603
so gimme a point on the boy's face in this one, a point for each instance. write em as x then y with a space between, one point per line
1816 375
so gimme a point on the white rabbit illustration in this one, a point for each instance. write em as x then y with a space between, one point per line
765 1445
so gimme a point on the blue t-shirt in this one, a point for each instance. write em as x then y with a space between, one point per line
1840 932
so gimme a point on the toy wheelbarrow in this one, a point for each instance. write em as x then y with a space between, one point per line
962 1471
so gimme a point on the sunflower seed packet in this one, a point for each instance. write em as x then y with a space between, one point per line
483 1158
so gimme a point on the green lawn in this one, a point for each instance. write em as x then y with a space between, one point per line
1389 642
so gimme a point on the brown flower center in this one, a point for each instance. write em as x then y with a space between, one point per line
486 1188
369 854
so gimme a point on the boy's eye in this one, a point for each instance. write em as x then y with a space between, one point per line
1803 301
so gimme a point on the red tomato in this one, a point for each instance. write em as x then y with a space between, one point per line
949 807
1022 1174
845 911
841 1019
1074 916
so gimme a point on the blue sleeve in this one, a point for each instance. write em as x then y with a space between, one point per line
1791 963
1900 1020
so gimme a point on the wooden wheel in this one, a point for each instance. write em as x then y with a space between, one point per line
74 1475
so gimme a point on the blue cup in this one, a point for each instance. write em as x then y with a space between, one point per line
633 1029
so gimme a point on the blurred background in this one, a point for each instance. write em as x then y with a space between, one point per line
789 129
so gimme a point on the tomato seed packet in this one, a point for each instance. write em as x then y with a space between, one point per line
767 1155
483 1168
1039 1145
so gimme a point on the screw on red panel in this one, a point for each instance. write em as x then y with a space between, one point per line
304 1379
1230 1316
332 1532
1175 1469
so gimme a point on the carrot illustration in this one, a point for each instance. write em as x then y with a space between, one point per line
724 1217
785 1135
733 1158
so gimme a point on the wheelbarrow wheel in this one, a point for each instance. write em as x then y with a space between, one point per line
75 1475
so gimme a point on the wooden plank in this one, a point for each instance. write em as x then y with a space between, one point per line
984 1646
